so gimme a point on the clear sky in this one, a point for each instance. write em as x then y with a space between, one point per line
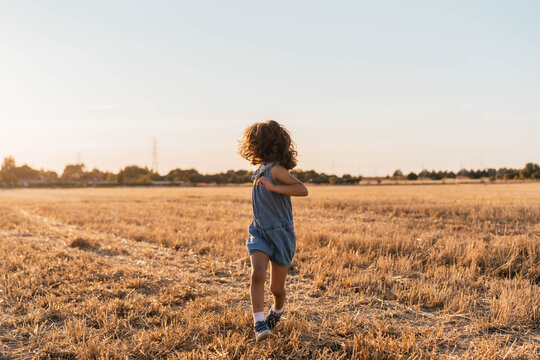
363 86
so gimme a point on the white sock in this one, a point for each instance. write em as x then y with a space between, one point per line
276 310
258 316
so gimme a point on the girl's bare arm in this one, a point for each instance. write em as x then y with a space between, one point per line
286 184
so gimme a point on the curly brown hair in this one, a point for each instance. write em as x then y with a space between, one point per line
266 142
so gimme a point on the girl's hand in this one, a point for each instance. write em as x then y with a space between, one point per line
266 182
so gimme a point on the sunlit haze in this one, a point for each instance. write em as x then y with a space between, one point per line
364 87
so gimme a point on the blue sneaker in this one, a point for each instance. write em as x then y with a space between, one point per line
262 331
272 319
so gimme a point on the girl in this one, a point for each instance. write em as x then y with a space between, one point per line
269 145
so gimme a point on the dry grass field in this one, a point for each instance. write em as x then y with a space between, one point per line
381 272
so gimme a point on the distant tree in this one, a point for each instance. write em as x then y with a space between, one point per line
424 174
111 177
234 177
50 177
73 172
196 178
412 176
349 179
12 174
156 177
436 175
131 174
144 179
478 174
95 175
9 163
7 172
397 174
508 174
530 171
180 175
463 173
346 179
25 172
311 176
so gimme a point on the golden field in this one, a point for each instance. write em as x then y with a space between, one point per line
380 272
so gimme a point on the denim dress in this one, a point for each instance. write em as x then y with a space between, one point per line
272 230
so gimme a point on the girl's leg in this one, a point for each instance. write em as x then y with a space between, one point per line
277 284
259 263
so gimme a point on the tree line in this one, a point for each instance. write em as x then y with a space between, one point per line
530 171
12 175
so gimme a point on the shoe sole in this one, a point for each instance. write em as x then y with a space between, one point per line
263 335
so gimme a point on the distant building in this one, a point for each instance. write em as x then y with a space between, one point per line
101 182
161 182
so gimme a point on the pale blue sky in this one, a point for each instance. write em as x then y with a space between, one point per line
363 86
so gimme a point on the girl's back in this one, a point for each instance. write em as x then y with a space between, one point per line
271 210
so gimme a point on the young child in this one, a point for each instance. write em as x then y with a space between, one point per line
272 237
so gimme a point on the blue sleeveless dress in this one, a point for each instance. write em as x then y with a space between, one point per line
272 229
